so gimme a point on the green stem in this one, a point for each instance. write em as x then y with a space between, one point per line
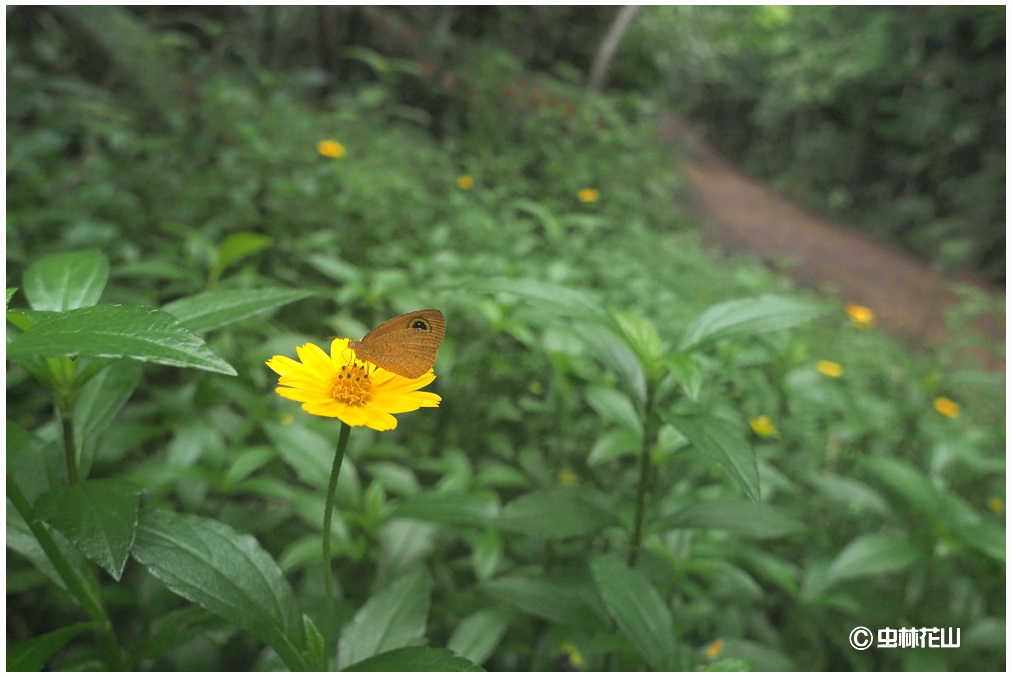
649 434
328 514
85 593
69 446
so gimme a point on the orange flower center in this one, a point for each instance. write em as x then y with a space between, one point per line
351 385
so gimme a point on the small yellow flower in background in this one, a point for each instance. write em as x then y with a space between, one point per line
339 385
331 148
465 182
536 387
287 419
862 317
568 477
830 369
996 505
575 659
589 195
763 426
714 648
946 407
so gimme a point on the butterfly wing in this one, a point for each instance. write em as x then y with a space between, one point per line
406 344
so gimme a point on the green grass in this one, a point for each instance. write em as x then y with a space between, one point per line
504 519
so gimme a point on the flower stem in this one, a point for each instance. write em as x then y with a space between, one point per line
328 514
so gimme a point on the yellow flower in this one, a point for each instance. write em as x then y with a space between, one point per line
568 477
714 648
465 182
996 505
862 317
575 659
830 369
331 148
763 426
341 386
589 195
946 407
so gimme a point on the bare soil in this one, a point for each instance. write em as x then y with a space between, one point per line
908 297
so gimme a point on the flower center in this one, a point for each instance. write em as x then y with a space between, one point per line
351 385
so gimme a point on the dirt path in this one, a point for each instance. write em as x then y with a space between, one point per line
907 296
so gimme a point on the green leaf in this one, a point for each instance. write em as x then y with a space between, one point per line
553 601
748 316
32 655
477 636
686 371
136 332
66 281
554 298
415 659
316 645
311 456
21 540
722 444
873 555
473 509
227 573
392 619
10 294
102 397
638 610
614 352
736 516
560 512
238 246
98 516
214 309
614 406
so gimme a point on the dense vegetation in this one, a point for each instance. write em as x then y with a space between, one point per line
644 458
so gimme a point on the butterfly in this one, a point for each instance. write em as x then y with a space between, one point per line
405 345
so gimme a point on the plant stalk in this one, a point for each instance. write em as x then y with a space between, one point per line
649 436
85 594
328 514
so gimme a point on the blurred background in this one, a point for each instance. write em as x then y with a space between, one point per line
394 158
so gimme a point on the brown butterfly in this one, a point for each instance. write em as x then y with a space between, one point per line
405 345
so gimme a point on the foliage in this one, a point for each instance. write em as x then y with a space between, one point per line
889 118
587 495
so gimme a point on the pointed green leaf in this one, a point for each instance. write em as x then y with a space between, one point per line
98 516
555 298
614 353
734 515
392 619
556 602
238 246
102 397
615 406
415 659
873 555
136 332
638 610
67 280
477 636
214 309
472 509
749 316
723 445
560 512
32 655
227 573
